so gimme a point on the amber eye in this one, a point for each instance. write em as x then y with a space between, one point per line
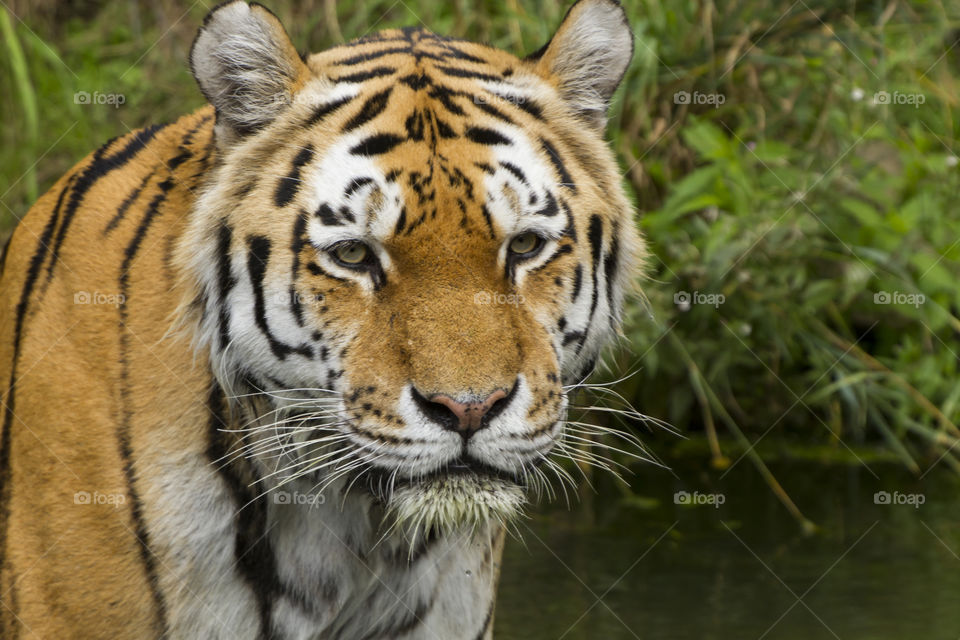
351 253
525 243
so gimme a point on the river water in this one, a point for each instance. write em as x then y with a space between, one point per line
647 567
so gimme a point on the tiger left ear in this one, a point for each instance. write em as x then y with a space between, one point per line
246 66
588 57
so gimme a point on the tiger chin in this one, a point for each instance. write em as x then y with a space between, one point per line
290 366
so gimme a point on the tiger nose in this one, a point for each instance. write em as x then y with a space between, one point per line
463 417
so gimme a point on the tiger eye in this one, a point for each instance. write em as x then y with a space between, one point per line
524 243
352 253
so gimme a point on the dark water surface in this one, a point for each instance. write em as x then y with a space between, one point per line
652 569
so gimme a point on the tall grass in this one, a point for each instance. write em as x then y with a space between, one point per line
23 89
803 214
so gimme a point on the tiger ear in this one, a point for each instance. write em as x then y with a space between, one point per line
588 56
246 67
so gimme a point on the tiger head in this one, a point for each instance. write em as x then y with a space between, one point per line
410 248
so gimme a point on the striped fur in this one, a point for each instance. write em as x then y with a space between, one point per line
216 427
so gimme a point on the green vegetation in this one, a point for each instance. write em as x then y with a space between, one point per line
795 165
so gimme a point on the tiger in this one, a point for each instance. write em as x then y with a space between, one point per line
291 365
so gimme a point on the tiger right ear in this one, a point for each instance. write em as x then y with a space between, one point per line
588 56
246 67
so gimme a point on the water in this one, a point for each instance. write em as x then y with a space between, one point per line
613 569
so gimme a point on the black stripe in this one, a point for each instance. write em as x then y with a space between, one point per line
526 104
574 336
445 96
465 73
123 429
486 168
317 270
134 246
355 184
296 246
516 171
401 221
376 145
414 125
561 251
99 167
492 110
416 223
444 130
482 135
225 282
373 107
571 229
550 207
257 259
325 110
586 369
557 161
595 236
328 216
610 264
577 282
251 548
56 217
188 138
488 220
462 55
4 251
467 182
288 185
367 57
125 205
176 161
361 76
416 81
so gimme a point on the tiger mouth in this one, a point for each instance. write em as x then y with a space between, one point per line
465 468
464 471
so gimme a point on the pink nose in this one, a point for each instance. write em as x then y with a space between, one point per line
469 415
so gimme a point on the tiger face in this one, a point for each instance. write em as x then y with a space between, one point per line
410 248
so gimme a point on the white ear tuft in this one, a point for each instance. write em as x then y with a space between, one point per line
246 66
588 56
